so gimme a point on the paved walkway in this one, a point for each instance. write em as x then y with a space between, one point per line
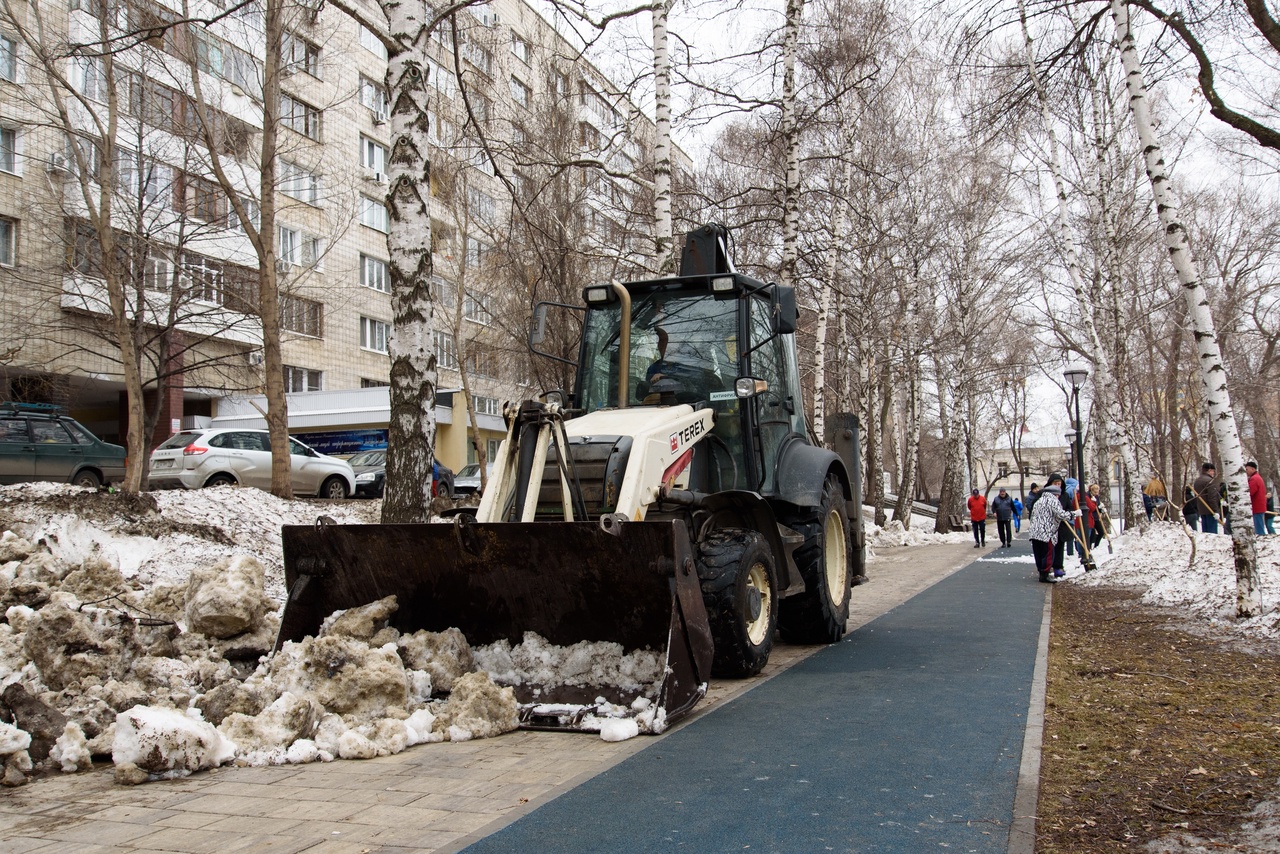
430 798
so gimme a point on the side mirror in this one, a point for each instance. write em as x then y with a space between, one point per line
538 332
785 312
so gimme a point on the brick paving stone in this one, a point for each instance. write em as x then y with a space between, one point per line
257 825
342 831
185 839
190 820
229 805
130 813
25 844
394 816
414 837
270 844
103 833
463 822
332 811
328 846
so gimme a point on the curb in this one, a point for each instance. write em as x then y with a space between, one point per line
1022 830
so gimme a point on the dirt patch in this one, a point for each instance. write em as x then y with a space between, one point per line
1151 729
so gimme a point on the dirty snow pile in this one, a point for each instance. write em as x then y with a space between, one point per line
141 628
893 534
1160 560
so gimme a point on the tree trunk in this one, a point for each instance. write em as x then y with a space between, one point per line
791 143
1212 372
663 237
826 294
268 277
412 428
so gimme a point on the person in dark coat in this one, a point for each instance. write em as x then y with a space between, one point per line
1190 514
1032 494
1206 493
1059 495
1002 506
1048 520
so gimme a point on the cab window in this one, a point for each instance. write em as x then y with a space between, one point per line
51 433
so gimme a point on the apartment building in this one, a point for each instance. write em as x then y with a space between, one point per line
181 92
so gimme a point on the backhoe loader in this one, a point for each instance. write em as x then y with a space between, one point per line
675 501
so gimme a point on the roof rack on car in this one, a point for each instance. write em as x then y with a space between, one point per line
19 406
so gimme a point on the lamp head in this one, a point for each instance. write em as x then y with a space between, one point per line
1076 375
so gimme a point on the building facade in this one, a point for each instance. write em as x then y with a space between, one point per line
153 150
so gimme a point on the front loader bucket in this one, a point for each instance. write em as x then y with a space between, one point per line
634 584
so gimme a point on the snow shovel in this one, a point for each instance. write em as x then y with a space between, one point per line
1087 561
1104 519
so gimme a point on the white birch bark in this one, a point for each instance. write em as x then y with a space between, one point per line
663 236
791 143
412 348
1104 377
1209 355
826 292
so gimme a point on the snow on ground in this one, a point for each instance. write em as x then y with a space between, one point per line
893 534
141 627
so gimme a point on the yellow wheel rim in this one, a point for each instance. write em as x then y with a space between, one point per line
835 557
758 589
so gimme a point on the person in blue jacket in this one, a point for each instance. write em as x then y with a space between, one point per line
1017 515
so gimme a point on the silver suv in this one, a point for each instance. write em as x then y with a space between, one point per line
195 458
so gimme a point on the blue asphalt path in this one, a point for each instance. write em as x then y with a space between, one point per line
904 737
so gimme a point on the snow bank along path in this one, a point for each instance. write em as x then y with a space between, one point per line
141 628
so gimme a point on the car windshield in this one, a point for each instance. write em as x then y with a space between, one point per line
470 470
369 458
178 440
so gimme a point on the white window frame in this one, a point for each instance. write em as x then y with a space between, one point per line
373 155
8 58
375 274
520 48
520 92
373 95
299 116
487 405
8 241
370 42
299 183
14 150
298 379
478 307
446 350
300 54
375 335
373 214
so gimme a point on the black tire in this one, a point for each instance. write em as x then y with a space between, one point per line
87 478
819 614
739 587
220 480
334 489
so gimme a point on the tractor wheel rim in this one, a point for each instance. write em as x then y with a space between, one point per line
758 585
835 557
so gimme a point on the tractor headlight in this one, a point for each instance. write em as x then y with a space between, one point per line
723 284
745 387
598 295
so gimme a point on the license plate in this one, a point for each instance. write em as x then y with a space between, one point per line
162 464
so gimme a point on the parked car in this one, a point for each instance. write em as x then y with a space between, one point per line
371 475
38 442
196 458
468 480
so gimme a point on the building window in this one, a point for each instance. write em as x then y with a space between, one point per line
297 247
373 95
476 308
203 277
479 57
446 350
520 92
368 383
487 405
205 200
373 274
297 183
299 54
372 43
8 241
476 250
87 78
8 59
480 204
482 361
520 48
1002 470
302 379
304 316
254 211
374 334
442 79
373 155
373 213
299 117
9 150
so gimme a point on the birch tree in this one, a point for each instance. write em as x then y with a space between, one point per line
1209 356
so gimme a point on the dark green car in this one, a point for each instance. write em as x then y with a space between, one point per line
37 442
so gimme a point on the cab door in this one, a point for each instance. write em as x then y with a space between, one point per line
17 453
773 408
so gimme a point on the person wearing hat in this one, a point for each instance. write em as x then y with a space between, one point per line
978 516
1048 521
1257 498
1207 497
1002 506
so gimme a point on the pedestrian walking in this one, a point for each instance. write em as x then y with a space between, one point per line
1071 501
1017 515
1208 498
1048 519
1002 506
978 516
1257 499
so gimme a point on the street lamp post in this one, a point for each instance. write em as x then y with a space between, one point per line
1076 375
